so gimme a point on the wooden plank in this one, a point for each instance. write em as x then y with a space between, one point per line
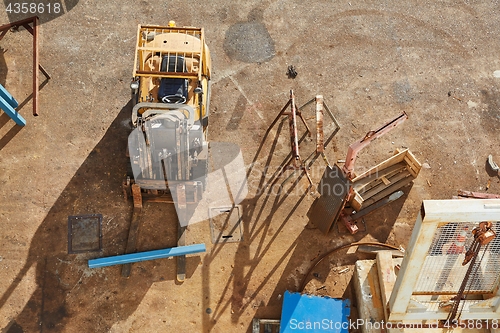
386 278
414 165
392 188
399 157
382 186
378 181
362 182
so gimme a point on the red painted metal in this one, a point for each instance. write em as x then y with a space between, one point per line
365 141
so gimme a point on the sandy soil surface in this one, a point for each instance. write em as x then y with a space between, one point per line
370 60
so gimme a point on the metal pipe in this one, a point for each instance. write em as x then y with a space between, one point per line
293 128
148 255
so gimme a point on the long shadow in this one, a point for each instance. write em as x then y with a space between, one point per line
270 194
5 139
310 244
30 97
69 296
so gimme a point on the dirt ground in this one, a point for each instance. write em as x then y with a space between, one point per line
370 60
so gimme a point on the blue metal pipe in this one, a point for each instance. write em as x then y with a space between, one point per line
148 255
8 97
7 108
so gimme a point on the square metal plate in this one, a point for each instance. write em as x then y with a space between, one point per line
84 233
333 188
225 224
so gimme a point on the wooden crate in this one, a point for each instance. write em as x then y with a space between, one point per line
384 179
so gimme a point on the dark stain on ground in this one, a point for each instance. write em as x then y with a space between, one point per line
249 42
490 118
403 91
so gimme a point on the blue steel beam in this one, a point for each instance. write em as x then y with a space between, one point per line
8 104
7 108
148 255
8 97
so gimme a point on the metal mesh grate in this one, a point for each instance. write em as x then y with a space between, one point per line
443 273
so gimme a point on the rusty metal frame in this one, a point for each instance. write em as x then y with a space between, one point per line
295 162
33 30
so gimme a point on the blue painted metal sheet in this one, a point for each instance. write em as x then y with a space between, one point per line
8 97
7 108
314 314
148 255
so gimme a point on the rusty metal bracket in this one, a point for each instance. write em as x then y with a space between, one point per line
476 195
354 149
33 30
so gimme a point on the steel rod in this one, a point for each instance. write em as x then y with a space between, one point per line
148 255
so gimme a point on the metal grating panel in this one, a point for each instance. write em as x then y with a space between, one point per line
442 272
334 188
84 233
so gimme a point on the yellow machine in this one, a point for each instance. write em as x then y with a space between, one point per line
168 147
172 66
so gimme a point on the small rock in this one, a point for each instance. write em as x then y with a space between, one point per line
471 104
426 166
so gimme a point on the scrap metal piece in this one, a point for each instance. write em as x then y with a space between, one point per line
180 193
291 72
134 226
477 195
348 220
84 233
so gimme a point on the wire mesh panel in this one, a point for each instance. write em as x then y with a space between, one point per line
442 272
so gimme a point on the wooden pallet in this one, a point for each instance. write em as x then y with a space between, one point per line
384 179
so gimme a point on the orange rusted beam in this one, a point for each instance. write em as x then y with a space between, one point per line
33 30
